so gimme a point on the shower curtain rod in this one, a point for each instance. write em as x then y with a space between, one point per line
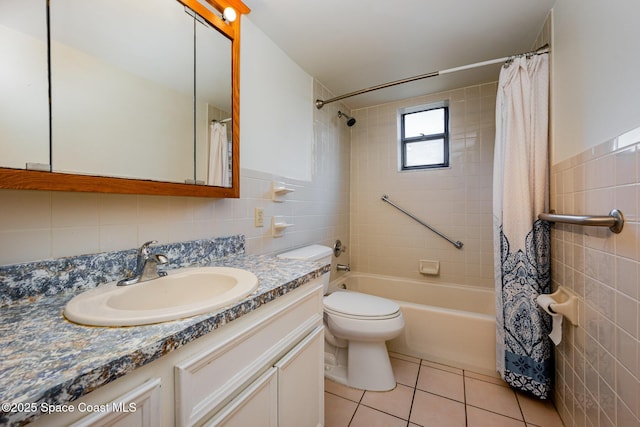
544 49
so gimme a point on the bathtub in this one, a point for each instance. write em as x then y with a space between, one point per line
444 323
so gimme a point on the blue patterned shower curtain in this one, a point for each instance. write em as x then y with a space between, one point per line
521 241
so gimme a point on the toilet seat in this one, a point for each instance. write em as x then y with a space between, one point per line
365 322
355 305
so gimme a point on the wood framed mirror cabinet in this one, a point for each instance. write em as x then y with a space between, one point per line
47 145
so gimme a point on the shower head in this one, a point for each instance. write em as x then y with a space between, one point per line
350 120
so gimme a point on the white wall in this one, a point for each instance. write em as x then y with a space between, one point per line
276 104
37 225
596 167
595 85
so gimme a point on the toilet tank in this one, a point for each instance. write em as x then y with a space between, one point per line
317 253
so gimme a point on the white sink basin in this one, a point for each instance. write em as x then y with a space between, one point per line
182 293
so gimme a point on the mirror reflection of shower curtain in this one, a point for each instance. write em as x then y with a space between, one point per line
218 171
521 241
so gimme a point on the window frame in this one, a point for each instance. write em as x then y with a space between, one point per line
403 141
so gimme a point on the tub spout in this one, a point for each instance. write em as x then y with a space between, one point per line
343 267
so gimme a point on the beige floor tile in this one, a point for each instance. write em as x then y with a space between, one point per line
442 367
539 412
404 357
431 410
343 391
369 417
405 372
442 383
490 379
338 411
438 400
395 402
492 397
477 417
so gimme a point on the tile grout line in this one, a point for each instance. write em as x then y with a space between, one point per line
524 421
415 387
357 406
464 396
520 407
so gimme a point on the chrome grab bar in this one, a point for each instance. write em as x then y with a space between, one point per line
457 244
615 219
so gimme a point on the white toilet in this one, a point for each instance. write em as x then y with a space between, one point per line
356 328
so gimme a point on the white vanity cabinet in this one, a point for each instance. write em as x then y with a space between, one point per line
140 407
285 395
300 376
262 369
281 352
255 406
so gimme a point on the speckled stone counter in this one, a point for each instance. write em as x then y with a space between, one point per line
47 359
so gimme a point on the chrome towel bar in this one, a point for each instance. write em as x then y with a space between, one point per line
457 244
615 220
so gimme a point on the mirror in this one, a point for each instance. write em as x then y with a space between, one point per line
24 85
213 106
137 100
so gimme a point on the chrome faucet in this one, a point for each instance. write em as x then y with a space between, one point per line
146 266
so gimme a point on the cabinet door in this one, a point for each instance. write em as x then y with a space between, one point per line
206 381
138 408
256 406
301 383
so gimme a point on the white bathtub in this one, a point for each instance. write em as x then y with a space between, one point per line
445 323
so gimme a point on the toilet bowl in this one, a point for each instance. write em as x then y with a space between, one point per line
356 328
364 322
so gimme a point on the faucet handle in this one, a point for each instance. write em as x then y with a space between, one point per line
338 248
160 259
144 249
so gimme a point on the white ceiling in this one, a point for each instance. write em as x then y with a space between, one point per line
350 45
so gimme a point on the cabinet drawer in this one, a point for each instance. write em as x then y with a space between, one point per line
211 379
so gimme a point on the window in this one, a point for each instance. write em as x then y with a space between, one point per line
424 137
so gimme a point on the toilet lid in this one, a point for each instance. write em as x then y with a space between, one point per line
360 305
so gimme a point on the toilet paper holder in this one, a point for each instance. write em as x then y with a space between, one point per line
566 303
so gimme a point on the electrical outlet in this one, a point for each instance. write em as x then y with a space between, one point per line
258 217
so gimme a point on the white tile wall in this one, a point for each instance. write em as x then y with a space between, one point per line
37 225
598 364
457 201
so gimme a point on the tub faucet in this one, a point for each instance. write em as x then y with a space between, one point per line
146 266
343 267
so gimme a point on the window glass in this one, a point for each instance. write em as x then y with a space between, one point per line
424 137
421 153
424 123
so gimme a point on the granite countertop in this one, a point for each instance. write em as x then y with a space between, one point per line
47 359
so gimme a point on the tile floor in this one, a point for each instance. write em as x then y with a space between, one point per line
429 394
